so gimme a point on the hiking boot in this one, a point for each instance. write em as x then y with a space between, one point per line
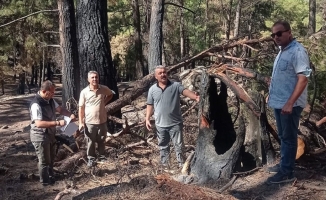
274 169
280 177
91 163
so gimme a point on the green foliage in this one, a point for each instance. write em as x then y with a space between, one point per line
28 33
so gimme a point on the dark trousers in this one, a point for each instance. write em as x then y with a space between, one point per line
45 152
95 133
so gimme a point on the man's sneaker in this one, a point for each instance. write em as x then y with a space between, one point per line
280 177
274 169
91 163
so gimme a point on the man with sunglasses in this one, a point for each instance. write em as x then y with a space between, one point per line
287 96
43 128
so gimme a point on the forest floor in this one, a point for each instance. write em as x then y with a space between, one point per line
132 173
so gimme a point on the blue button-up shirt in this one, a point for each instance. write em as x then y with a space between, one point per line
289 62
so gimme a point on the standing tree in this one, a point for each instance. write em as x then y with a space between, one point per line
312 17
155 35
94 46
69 50
93 43
138 42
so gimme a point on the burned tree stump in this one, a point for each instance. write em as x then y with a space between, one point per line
218 144
258 148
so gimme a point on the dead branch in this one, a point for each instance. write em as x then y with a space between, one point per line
319 151
65 192
247 172
238 91
149 141
142 85
225 187
35 13
313 187
193 105
186 165
134 144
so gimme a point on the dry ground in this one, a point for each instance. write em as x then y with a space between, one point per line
130 173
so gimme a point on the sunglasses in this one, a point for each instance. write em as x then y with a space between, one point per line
278 33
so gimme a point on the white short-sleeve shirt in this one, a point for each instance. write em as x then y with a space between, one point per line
36 111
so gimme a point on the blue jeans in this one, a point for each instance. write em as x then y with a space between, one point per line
164 135
287 126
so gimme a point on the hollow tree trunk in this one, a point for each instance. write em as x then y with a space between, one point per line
218 145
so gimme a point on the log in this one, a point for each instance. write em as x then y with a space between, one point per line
70 163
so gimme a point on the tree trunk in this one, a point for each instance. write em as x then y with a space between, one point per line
312 17
69 51
155 35
33 75
94 46
21 84
237 19
218 145
258 149
138 41
228 21
43 65
3 86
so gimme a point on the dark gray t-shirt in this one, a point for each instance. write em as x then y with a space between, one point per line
166 103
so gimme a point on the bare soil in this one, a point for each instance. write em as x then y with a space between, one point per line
131 173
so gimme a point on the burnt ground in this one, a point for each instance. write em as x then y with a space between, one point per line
132 173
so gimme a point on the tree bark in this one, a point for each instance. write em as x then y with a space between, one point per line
94 46
69 50
93 43
138 41
156 35
237 19
218 145
312 17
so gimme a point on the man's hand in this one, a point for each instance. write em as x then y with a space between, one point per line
287 108
73 117
148 125
81 127
61 122
197 98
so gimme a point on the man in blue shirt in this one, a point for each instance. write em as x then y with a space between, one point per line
287 96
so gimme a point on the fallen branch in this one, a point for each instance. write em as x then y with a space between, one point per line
225 187
142 85
134 144
312 187
193 105
247 172
65 192
186 165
